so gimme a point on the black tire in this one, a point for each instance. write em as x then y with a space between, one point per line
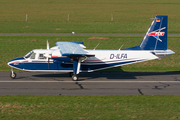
75 78
71 74
13 75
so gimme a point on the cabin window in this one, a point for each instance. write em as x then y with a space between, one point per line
33 56
41 56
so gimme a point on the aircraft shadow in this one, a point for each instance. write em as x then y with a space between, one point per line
106 75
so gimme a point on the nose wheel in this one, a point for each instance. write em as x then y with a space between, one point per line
12 74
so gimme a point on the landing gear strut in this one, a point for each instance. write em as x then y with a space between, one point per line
12 74
75 77
71 74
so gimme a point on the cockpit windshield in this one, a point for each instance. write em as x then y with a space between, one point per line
28 55
33 56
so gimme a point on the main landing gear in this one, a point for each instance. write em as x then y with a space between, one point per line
74 76
12 74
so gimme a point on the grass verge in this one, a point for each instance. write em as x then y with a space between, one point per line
44 16
82 27
89 107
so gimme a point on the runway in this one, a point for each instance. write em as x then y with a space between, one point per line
97 83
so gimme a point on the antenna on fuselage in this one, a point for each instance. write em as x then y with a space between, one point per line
121 47
96 46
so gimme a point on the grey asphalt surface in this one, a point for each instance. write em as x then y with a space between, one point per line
96 83
76 34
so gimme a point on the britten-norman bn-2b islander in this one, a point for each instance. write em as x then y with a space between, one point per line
73 58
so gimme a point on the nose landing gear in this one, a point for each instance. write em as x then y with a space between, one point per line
12 74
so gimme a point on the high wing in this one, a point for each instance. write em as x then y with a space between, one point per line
75 51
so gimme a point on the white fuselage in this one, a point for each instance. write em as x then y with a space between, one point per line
123 57
40 60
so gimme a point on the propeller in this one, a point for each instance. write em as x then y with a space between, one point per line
47 45
48 53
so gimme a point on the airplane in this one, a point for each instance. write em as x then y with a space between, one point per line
72 57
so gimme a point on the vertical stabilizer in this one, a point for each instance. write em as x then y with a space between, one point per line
156 36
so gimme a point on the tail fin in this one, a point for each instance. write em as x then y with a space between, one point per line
156 36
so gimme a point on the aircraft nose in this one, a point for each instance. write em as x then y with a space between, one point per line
11 63
8 63
15 61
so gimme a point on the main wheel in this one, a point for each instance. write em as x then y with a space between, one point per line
71 74
75 78
13 75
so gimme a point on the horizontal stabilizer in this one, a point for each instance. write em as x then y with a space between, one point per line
163 53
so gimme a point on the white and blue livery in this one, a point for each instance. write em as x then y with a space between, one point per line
72 57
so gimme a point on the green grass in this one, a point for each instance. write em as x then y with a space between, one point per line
86 16
78 27
89 107
17 46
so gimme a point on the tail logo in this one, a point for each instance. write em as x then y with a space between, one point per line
157 33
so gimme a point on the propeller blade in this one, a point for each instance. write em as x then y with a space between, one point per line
47 45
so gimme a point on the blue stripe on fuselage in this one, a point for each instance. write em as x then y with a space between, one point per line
30 66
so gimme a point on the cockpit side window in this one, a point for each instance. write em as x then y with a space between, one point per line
41 56
33 56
